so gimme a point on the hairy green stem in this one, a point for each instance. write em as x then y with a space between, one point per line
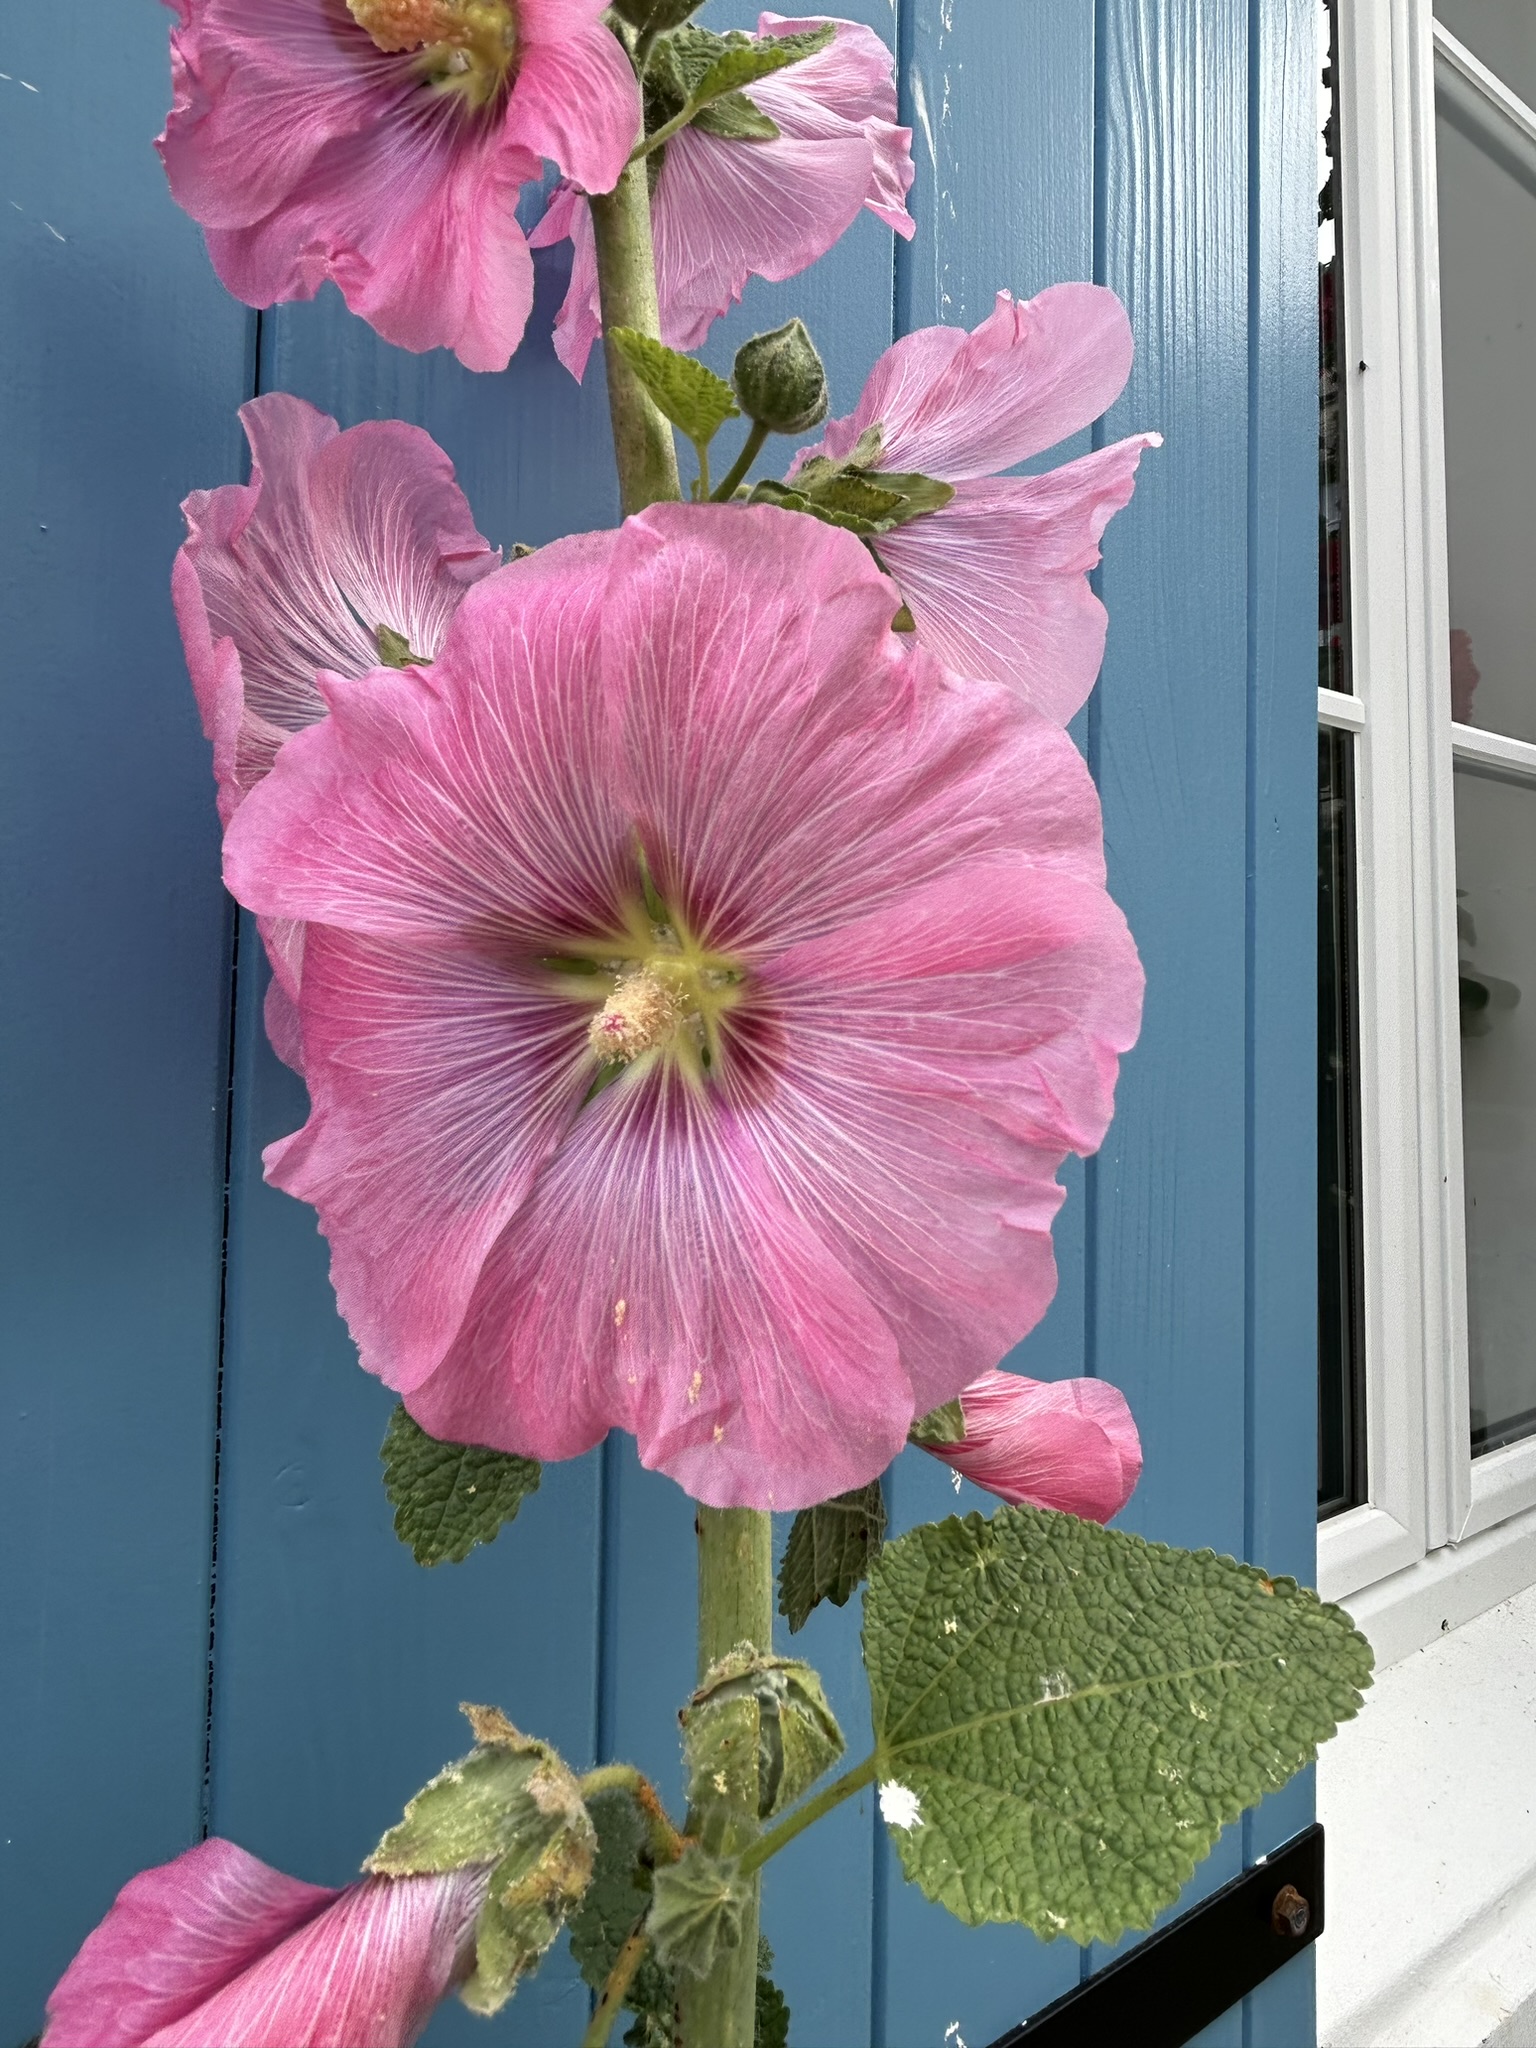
735 1606
750 449
659 137
795 1823
620 1977
643 446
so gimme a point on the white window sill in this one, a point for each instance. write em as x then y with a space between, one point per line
1429 1801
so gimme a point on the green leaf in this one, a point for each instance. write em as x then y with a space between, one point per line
757 1734
744 59
772 2024
449 1497
692 397
1067 1716
656 14
858 497
918 493
829 1551
698 1908
939 1426
617 1899
738 119
394 648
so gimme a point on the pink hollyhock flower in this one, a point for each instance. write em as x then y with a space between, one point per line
1069 1444
218 1950
997 581
700 994
725 210
336 536
382 144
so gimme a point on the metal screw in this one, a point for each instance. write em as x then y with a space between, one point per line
1290 1915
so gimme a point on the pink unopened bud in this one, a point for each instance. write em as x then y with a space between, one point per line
1068 1444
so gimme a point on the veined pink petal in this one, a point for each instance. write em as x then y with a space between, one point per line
998 579
1067 1444
217 1950
761 1264
577 100
852 80
957 405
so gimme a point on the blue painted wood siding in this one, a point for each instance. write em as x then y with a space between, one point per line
186 1436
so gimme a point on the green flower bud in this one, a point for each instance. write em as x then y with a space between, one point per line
779 380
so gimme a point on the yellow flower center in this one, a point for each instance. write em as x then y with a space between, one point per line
467 46
657 991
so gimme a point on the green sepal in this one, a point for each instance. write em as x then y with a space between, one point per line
862 500
756 1735
693 398
829 1551
699 1906
739 60
617 1900
449 1497
737 119
1070 1715
394 649
939 1426
656 15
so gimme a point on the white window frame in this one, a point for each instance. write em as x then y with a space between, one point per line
1442 1536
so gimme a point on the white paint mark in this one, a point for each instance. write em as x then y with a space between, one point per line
48 224
954 1479
25 85
920 108
953 2038
900 1806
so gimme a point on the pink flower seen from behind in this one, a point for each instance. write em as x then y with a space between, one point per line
726 210
700 994
1068 1444
335 536
997 580
218 1950
382 144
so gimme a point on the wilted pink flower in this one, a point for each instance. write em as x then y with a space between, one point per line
997 581
1069 1444
383 143
335 536
675 811
725 210
218 1950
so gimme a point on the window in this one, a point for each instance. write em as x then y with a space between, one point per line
1427 810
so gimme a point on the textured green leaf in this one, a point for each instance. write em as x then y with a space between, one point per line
737 118
693 398
1066 1716
944 1425
757 1734
772 2024
744 59
449 1497
698 1907
617 1899
828 1552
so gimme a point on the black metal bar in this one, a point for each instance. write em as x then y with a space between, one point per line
1190 1972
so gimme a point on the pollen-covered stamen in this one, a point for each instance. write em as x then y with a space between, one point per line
644 1013
467 46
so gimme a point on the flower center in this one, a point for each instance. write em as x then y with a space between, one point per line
657 991
467 46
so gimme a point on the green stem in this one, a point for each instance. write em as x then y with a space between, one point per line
795 1823
665 132
620 1977
626 280
735 1606
750 450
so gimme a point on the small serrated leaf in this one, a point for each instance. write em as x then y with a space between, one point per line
698 1909
693 398
739 64
918 493
737 119
944 1425
449 1497
829 1552
858 496
617 1899
1066 1716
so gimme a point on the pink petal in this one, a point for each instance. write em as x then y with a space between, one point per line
1067 1444
579 322
335 534
576 100
955 405
176 1935
998 580
852 80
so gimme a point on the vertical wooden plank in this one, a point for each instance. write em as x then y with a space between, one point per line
120 361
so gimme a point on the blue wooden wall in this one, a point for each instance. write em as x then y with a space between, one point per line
205 1621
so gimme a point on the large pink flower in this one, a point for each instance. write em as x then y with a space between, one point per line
997 581
700 994
335 536
725 210
218 1950
383 144
1069 1444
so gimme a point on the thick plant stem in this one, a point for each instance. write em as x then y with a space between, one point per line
626 280
735 1606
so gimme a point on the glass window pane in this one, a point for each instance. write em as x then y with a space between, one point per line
1333 670
1502 33
1488 332
1496 924
1341 1474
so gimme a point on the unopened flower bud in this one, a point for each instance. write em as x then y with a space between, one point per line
780 381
